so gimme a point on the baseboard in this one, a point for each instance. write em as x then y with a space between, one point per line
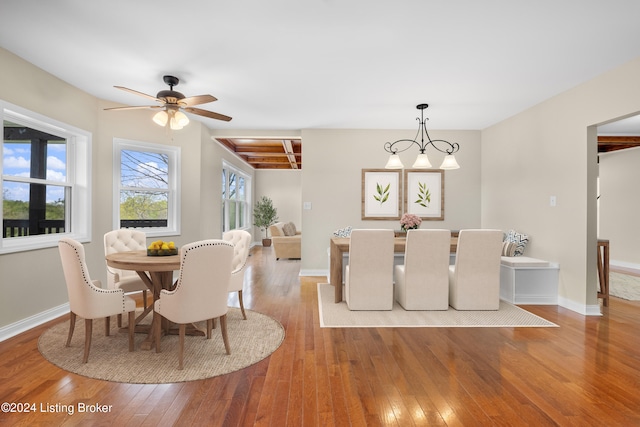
24 325
586 310
625 267
324 273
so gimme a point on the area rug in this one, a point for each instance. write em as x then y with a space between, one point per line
624 286
251 340
338 315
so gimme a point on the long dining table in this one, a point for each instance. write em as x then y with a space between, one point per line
157 273
340 245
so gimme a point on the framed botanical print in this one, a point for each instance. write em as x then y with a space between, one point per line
381 189
424 193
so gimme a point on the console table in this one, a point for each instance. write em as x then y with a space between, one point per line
603 271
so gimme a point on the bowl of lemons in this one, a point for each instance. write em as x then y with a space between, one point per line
160 248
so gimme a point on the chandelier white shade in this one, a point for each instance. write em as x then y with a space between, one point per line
422 161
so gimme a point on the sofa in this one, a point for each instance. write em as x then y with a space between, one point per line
286 240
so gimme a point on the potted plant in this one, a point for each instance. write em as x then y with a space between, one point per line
265 215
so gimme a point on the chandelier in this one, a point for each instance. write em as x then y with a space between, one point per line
422 161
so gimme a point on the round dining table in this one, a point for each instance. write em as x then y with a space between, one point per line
157 273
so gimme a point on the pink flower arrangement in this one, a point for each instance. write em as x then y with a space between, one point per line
410 221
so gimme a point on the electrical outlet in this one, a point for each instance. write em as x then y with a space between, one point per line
552 201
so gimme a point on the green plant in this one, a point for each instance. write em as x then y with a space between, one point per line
264 214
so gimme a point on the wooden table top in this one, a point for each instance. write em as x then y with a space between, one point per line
140 261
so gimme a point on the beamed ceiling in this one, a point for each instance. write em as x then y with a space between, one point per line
264 153
615 143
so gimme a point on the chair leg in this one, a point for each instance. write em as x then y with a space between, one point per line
157 326
144 299
209 325
88 329
225 337
244 315
214 323
107 326
119 321
132 327
182 329
72 325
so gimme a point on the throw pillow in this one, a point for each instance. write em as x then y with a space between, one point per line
508 248
343 232
289 229
520 241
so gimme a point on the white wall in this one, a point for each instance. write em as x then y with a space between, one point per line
551 149
620 204
331 180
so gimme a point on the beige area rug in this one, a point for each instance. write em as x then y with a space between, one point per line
338 315
624 286
251 340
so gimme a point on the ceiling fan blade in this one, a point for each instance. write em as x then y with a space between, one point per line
135 107
135 92
206 113
197 100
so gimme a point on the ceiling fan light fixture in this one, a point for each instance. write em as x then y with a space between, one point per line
161 118
181 118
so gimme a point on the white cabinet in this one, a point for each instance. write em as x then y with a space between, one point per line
529 281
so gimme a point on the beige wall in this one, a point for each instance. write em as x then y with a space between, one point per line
550 149
332 182
284 187
620 204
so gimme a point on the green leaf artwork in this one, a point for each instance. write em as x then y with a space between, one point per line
382 194
424 195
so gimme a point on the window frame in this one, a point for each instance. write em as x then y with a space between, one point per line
173 174
228 168
78 179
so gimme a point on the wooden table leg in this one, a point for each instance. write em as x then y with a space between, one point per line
335 271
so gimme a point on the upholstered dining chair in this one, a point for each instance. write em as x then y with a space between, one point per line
123 240
474 280
87 299
422 282
369 274
200 293
241 241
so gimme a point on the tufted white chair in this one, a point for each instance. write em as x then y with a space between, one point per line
120 241
200 293
422 282
241 241
87 299
369 275
474 280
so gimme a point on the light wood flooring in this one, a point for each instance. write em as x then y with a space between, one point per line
584 373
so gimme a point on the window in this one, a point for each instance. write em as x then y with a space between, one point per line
145 187
236 196
45 181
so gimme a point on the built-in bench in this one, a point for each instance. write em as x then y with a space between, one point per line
525 280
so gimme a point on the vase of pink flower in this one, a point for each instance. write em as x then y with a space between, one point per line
410 222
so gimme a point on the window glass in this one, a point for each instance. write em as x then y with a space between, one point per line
146 195
235 198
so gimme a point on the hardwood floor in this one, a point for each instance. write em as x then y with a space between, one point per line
586 372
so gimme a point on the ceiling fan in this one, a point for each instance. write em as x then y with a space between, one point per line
171 103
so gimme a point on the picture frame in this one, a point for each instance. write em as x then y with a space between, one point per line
424 193
381 190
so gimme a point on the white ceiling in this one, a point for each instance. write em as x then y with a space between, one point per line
294 64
